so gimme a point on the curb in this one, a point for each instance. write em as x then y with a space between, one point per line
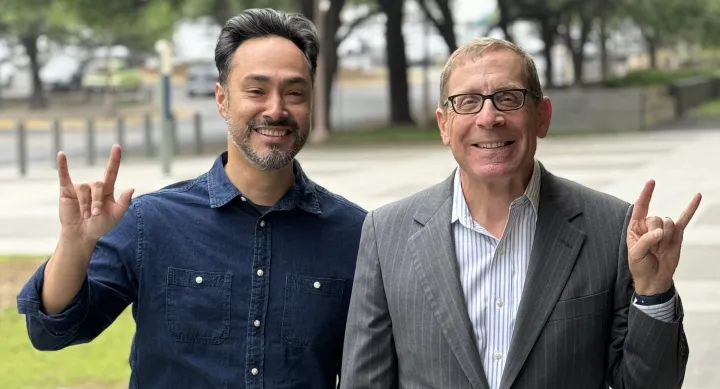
80 123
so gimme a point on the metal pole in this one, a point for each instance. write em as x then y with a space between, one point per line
149 151
167 142
22 147
198 133
90 141
320 131
424 116
57 141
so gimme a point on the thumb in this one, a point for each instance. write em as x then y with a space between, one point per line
646 241
124 200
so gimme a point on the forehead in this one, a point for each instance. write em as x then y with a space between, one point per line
272 57
494 69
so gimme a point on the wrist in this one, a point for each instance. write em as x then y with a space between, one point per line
79 244
653 288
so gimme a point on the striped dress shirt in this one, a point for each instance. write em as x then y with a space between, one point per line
493 271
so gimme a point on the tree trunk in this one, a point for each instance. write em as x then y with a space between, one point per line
577 48
396 62
38 99
548 31
604 59
652 52
307 8
331 43
505 19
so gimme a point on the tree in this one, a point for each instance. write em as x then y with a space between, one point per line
396 61
666 21
27 20
444 22
135 24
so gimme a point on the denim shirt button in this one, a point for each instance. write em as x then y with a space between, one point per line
254 371
316 285
260 272
198 280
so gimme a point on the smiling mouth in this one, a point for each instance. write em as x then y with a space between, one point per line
273 132
493 146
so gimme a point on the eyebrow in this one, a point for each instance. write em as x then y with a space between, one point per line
265 79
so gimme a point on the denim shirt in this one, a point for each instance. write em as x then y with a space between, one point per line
224 295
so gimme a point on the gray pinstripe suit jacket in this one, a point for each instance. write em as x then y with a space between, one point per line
408 325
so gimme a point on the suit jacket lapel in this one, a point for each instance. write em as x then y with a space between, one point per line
555 249
434 258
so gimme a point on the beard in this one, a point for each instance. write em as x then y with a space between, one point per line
274 158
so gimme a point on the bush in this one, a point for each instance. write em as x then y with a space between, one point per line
648 77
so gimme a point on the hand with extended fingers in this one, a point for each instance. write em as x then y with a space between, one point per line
654 244
89 210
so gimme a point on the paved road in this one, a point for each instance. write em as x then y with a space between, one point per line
353 104
681 162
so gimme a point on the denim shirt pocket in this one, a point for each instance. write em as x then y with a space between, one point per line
198 305
313 310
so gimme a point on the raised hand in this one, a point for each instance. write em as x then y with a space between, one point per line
89 210
654 244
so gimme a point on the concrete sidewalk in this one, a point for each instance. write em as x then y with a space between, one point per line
682 163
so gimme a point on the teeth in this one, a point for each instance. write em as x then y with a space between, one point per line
273 133
490 145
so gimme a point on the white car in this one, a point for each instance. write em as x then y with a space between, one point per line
7 73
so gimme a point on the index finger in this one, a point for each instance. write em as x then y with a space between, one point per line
111 172
642 204
63 172
685 217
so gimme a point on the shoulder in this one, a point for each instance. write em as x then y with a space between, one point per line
599 208
403 209
191 192
336 205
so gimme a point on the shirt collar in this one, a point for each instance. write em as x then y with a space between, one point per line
460 209
303 192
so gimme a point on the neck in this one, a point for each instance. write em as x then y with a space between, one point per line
261 187
489 200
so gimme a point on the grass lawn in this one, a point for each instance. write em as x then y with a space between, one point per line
709 109
102 364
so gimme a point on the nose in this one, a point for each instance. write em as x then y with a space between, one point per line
489 116
275 107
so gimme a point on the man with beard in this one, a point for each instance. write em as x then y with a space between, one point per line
238 278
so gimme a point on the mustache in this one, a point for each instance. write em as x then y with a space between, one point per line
266 121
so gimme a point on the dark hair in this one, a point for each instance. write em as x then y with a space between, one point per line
258 23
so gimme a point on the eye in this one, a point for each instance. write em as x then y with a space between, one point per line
256 92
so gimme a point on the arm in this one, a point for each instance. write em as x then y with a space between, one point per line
646 350
369 358
104 290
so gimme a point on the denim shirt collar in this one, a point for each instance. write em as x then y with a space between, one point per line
303 193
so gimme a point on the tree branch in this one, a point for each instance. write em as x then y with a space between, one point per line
356 23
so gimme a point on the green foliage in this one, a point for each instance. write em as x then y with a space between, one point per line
222 10
33 17
137 24
649 77
667 20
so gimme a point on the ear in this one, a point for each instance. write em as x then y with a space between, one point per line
544 116
442 121
221 100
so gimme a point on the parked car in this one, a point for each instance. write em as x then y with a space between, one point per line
62 73
201 79
7 73
122 76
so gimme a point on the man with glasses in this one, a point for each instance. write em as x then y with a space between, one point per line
504 275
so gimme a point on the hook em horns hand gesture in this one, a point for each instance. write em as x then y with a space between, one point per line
654 244
89 210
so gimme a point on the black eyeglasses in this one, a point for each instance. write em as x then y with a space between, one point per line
503 100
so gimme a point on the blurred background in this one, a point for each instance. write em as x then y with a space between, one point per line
635 87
